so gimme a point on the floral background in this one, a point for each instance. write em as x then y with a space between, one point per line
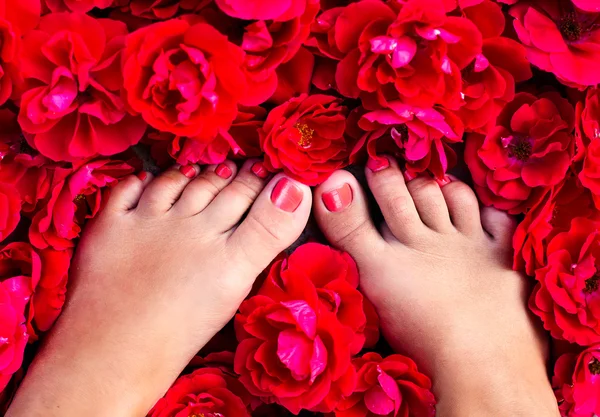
94 90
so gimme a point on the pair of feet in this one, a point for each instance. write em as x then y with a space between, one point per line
169 260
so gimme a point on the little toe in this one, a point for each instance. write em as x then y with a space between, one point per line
275 221
230 205
387 184
160 195
126 194
204 188
499 224
430 203
463 207
341 210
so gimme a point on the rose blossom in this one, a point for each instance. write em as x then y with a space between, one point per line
387 51
184 78
305 137
163 9
588 147
298 333
420 137
81 6
73 198
390 386
72 106
206 391
10 210
280 10
530 147
489 80
561 39
576 383
551 215
567 296
16 19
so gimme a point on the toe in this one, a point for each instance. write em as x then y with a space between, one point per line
397 206
203 189
341 210
463 207
430 203
160 195
275 221
126 194
499 224
230 205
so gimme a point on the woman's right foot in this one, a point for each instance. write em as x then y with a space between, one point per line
439 275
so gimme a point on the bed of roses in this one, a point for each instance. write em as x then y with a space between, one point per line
92 91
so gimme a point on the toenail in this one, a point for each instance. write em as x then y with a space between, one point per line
378 164
259 170
223 171
444 181
188 170
143 175
286 195
338 199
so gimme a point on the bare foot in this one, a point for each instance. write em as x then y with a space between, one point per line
156 275
439 275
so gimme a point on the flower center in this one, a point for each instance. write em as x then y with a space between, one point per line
591 285
519 148
594 366
306 134
570 27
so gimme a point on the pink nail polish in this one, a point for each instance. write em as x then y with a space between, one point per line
286 195
188 170
377 165
223 171
338 199
143 175
259 170
444 181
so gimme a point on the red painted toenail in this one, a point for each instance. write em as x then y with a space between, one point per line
259 170
444 181
338 199
223 171
378 164
143 175
188 170
286 195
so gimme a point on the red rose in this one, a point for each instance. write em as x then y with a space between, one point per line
588 132
409 50
264 9
489 80
163 9
561 39
14 294
72 107
183 78
551 215
10 210
16 19
530 147
81 6
576 383
206 391
388 387
74 197
421 137
567 296
241 140
305 138
298 333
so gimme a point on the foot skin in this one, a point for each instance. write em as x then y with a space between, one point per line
438 272
156 275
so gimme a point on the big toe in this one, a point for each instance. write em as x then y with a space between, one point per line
275 221
341 210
